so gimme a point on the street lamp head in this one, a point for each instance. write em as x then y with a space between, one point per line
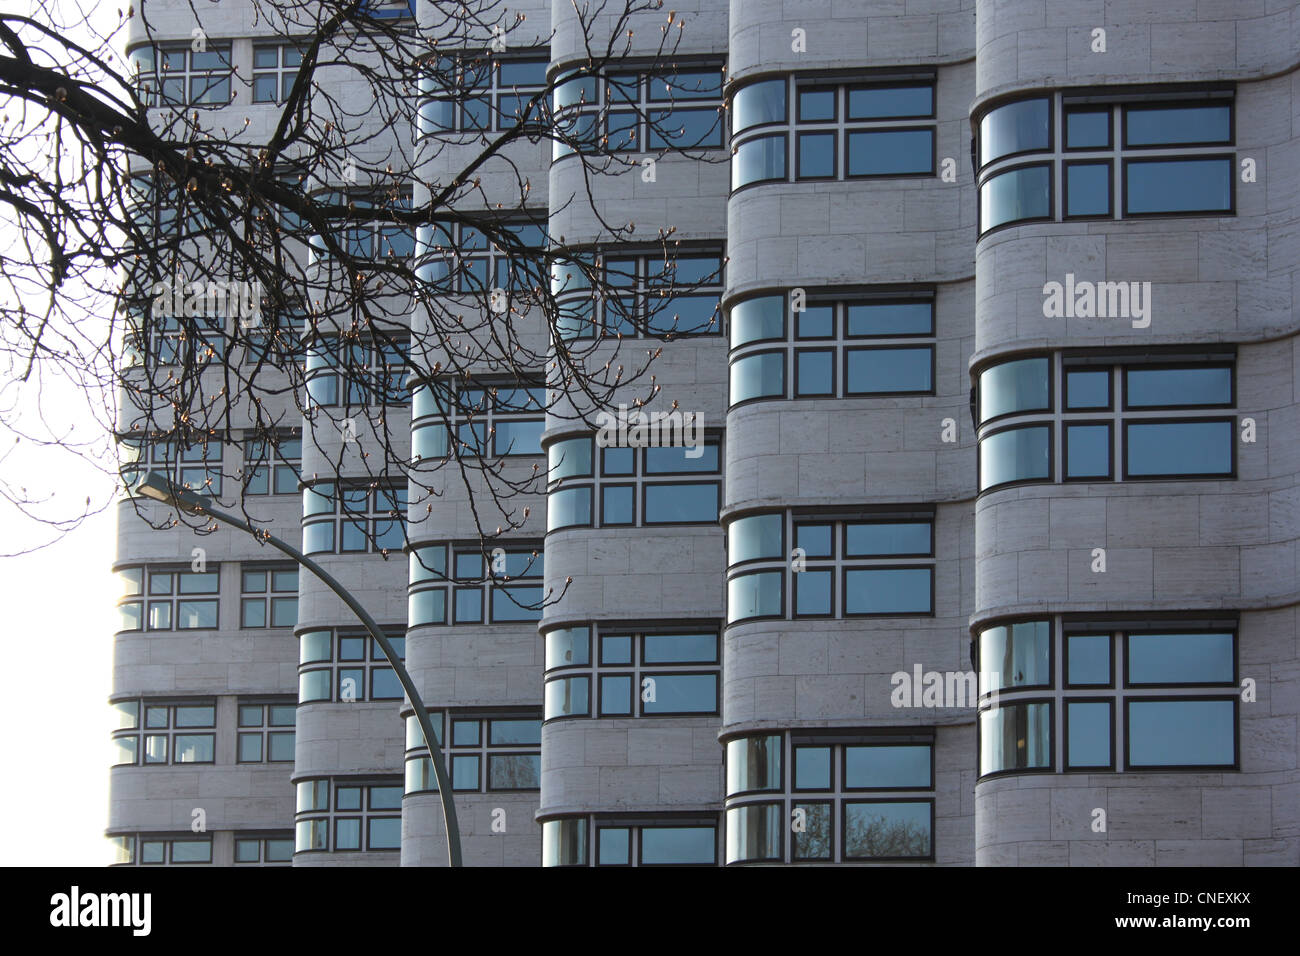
158 488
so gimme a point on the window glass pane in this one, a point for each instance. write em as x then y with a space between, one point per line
1087 451
812 768
617 505
567 697
516 603
679 648
812 592
616 649
754 595
816 155
152 851
195 716
887 591
384 684
514 771
887 102
678 845
754 833
196 614
891 152
1087 129
191 851
250 716
1178 185
568 507
755 536
313 795
1088 659
427 607
284 612
1089 735
814 539
250 747
614 846
758 103
1178 448
891 318
886 830
280 747
814 373
564 842
1181 659
279 851
310 834
428 564
754 763
464 772
1087 389
670 460
318 537
758 376
199 583
567 647
1177 125
252 612
618 461
684 128
817 105
616 695
816 322
872 768
193 748
882 371
313 685
568 458
758 159
887 538
248 851
518 438
1015 737
1014 128
314 646
1155 387
1087 189
125 748
1018 655
1016 195
681 694
754 320
681 503
1017 454
469 605
814 841
1181 733
515 732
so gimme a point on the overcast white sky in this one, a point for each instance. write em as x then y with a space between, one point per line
57 607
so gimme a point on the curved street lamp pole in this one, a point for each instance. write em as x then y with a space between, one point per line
158 488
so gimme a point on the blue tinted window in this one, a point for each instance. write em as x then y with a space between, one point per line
1177 386
815 539
754 320
1182 733
514 771
891 152
679 648
872 768
882 371
384 684
757 104
812 592
617 505
816 155
1016 656
1014 128
758 376
1177 125
568 507
618 461
469 605
681 315
1088 659
1087 129
518 438
814 373
678 845
754 595
755 536
1089 735
1087 451
758 159
1015 196
887 591
887 102
613 846
817 105
1179 448
506 603
523 72
1019 386
812 768
816 322
682 694
891 318
616 649
1017 454
681 504
886 830
616 694
669 460
464 772
1087 389
1180 658
887 538
1178 185
1087 189
567 697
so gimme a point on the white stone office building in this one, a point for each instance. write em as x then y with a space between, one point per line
1003 380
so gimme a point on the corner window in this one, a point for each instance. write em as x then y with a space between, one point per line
609 840
350 519
484 753
346 666
343 814
181 76
469 94
167 599
487 420
153 732
503 586
645 295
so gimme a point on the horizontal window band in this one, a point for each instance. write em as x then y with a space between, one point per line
1124 95
1073 359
